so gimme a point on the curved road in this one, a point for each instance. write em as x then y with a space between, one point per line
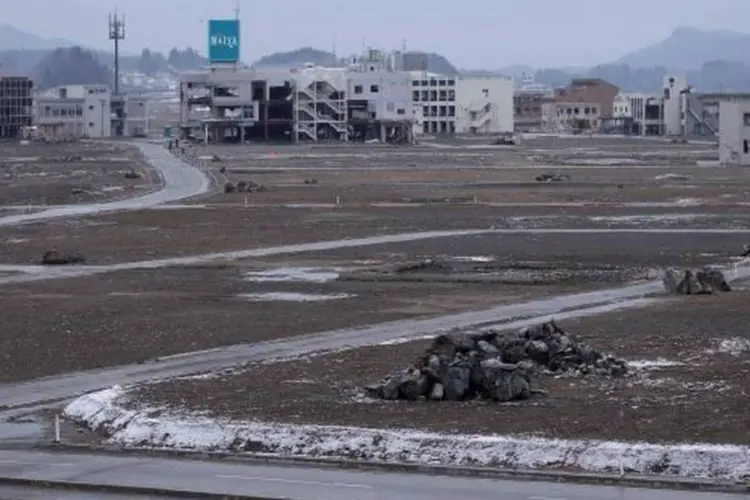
180 180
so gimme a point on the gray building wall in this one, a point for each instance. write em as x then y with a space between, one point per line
414 61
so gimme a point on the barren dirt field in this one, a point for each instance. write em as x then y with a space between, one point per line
690 373
67 173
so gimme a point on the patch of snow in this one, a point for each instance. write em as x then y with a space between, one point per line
688 202
653 364
294 274
292 297
104 411
641 219
735 346
406 340
176 207
12 241
674 177
472 258
110 189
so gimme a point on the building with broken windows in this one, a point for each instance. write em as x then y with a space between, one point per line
89 111
370 98
16 105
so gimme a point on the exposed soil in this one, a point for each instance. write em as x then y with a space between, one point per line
69 173
703 400
74 324
150 234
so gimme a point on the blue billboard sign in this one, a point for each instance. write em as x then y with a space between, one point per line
223 40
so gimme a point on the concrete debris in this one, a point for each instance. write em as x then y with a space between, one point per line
494 366
244 187
704 281
66 159
311 181
552 177
745 251
215 159
132 174
54 258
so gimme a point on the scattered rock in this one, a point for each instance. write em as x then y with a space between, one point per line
132 174
745 251
230 188
311 181
695 282
494 366
249 187
223 170
54 258
552 177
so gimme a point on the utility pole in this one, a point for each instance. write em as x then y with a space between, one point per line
117 33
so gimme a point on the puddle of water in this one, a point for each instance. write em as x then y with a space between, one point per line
294 274
292 297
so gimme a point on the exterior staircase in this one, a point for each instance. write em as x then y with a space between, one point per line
320 104
480 113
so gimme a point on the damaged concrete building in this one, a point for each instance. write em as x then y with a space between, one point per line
368 99
90 111
16 105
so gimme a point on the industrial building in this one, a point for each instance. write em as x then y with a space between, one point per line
89 111
16 105
373 97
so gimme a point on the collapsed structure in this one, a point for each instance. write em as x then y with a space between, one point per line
379 96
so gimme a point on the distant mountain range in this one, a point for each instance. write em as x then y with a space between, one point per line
713 60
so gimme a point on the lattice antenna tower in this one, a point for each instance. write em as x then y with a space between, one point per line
117 33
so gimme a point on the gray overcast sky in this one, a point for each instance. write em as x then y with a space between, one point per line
470 33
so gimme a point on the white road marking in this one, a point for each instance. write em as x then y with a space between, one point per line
294 481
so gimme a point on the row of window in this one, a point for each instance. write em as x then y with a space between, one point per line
65 111
438 111
576 111
433 95
439 127
433 83
374 89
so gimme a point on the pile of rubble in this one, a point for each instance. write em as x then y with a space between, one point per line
244 187
552 177
55 258
704 281
66 159
495 366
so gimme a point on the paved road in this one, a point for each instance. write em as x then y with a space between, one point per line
304 483
180 179
31 493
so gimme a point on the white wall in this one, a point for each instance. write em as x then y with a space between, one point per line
621 107
734 126
490 98
673 103
389 93
97 114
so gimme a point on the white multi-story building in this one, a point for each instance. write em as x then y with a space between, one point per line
646 110
75 111
462 105
675 89
621 108
90 111
734 129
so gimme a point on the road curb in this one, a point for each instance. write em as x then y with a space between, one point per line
603 479
127 490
